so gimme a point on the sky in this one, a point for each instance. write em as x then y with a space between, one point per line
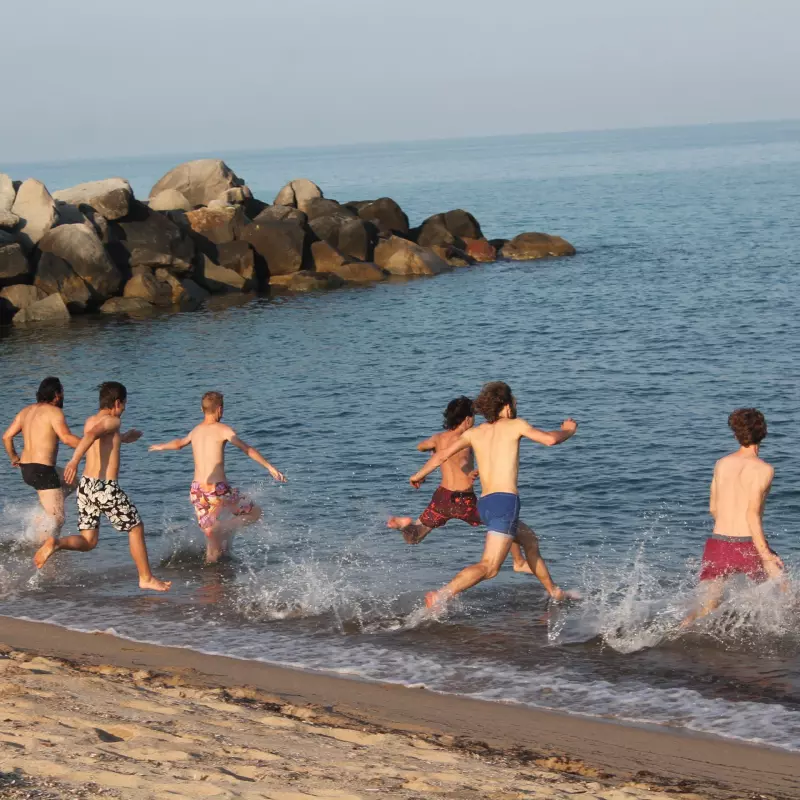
99 78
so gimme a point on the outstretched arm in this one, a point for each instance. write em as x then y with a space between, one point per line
175 444
65 435
427 444
438 459
257 457
104 427
757 497
549 438
14 429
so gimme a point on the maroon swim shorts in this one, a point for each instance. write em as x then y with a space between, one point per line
446 505
731 555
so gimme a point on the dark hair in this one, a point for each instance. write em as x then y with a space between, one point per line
748 426
457 411
494 397
48 390
211 402
110 392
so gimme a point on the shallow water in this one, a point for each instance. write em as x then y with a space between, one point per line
680 306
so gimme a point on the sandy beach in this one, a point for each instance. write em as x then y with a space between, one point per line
93 715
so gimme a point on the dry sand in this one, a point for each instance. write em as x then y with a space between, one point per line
91 715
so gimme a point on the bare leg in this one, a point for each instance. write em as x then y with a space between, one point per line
218 537
83 542
530 544
712 598
520 564
413 532
50 519
139 554
494 554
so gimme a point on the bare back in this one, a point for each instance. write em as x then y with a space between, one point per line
208 448
38 433
102 458
456 470
496 446
740 486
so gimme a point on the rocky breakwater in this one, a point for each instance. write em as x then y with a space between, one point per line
97 248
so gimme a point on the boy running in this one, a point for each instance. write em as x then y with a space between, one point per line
496 446
739 492
210 493
43 426
99 492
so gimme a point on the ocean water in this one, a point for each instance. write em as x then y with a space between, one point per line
681 305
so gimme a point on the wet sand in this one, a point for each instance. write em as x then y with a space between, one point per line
93 715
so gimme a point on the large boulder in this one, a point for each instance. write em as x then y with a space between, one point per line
530 246
22 295
8 219
384 213
14 266
480 250
359 272
36 210
217 279
179 295
298 193
169 200
218 225
282 245
55 276
202 181
7 195
309 281
195 295
150 238
454 256
147 287
326 257
353 236
110 197
320 207
402 257
82 249
241 258
451 228
462 224
278 213
126 305
51 309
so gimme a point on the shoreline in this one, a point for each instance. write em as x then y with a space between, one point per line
614 751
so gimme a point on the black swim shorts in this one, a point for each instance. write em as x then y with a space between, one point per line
40 476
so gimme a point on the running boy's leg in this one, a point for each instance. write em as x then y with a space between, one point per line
50 519
83 542
530 545
138 550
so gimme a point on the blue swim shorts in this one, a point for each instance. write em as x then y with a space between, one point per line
500 512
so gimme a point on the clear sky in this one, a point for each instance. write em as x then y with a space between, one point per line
103 78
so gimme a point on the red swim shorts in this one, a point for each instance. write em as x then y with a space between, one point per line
731 555
446 505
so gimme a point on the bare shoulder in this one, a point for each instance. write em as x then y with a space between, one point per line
765 470
225 432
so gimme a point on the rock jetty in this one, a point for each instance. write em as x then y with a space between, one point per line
96 247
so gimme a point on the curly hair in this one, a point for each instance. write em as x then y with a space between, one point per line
748 426
456 412
494 397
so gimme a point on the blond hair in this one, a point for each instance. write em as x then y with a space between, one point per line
211 402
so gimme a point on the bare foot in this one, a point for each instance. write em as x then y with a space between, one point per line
45 551
154 584
523 566
559 595
398 523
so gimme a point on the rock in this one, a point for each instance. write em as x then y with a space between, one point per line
452 255
219 279
320 207
169 200
110 197
298 193
22 295
126 305
462 224
199 181
7 311
308 281
359 272
69 214
8 219
402 257
326 257
51 309
529 246
480 250
55 276
36 210
82 249
218 225
241 258
384 213
178 293
151 238
277 213
357 239
282 244
7 192
7 237
14 266
195 295
433 231
253 207
498 244
147 287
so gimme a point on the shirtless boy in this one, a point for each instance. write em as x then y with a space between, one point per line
210 493
496 446
99 492
455 498
739 491
43 426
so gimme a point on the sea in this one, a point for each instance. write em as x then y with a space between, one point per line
681 305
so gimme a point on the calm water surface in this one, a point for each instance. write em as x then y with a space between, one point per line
681 305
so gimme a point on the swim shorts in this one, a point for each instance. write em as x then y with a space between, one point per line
446 505
500 512
210 503
96 497
40 476
731 555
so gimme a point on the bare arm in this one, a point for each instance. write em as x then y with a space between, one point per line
257 457
427 444
757 497
103 428
549 438
14 429
436 460
712 502
175 444
65 435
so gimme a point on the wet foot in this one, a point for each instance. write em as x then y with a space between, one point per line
154 584
398 523
560 596
45 551
523 566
